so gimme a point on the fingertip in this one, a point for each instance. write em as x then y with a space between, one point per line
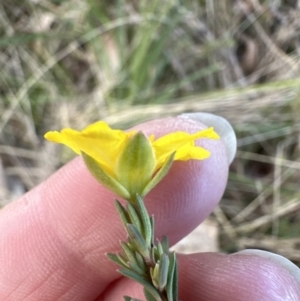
221 126
214 277
278 259
211 276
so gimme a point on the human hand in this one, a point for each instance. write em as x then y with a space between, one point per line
54 239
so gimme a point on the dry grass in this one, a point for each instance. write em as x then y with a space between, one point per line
67 63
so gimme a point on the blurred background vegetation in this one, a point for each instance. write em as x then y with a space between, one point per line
66 63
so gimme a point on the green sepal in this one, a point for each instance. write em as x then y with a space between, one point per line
134 276
116 259
159 175
147 228
136 164
138 241
103 177
172 283
134 217
123 214
163 272
148 295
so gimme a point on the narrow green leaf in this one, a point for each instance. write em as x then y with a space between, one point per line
103 177
134 267
175 281
152 229
147 229
123 260
155 275
148 295
128 252
138 241
131 244
156 254
115 258
123 214
163 272
159 175
170 281
132 261
165 244
153 247
140 261
151 272
134 276
152 254
134 217
160 250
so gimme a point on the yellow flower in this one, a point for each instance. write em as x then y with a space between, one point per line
129 163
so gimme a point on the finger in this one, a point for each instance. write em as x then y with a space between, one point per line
57 235
215 277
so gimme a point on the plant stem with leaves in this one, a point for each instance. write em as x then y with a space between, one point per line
142 259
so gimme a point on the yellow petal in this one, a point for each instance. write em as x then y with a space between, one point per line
188 152
62 137
97 140
183 144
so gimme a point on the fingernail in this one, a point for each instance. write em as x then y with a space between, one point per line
284 262
221 126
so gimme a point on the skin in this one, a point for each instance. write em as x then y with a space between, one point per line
53 240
